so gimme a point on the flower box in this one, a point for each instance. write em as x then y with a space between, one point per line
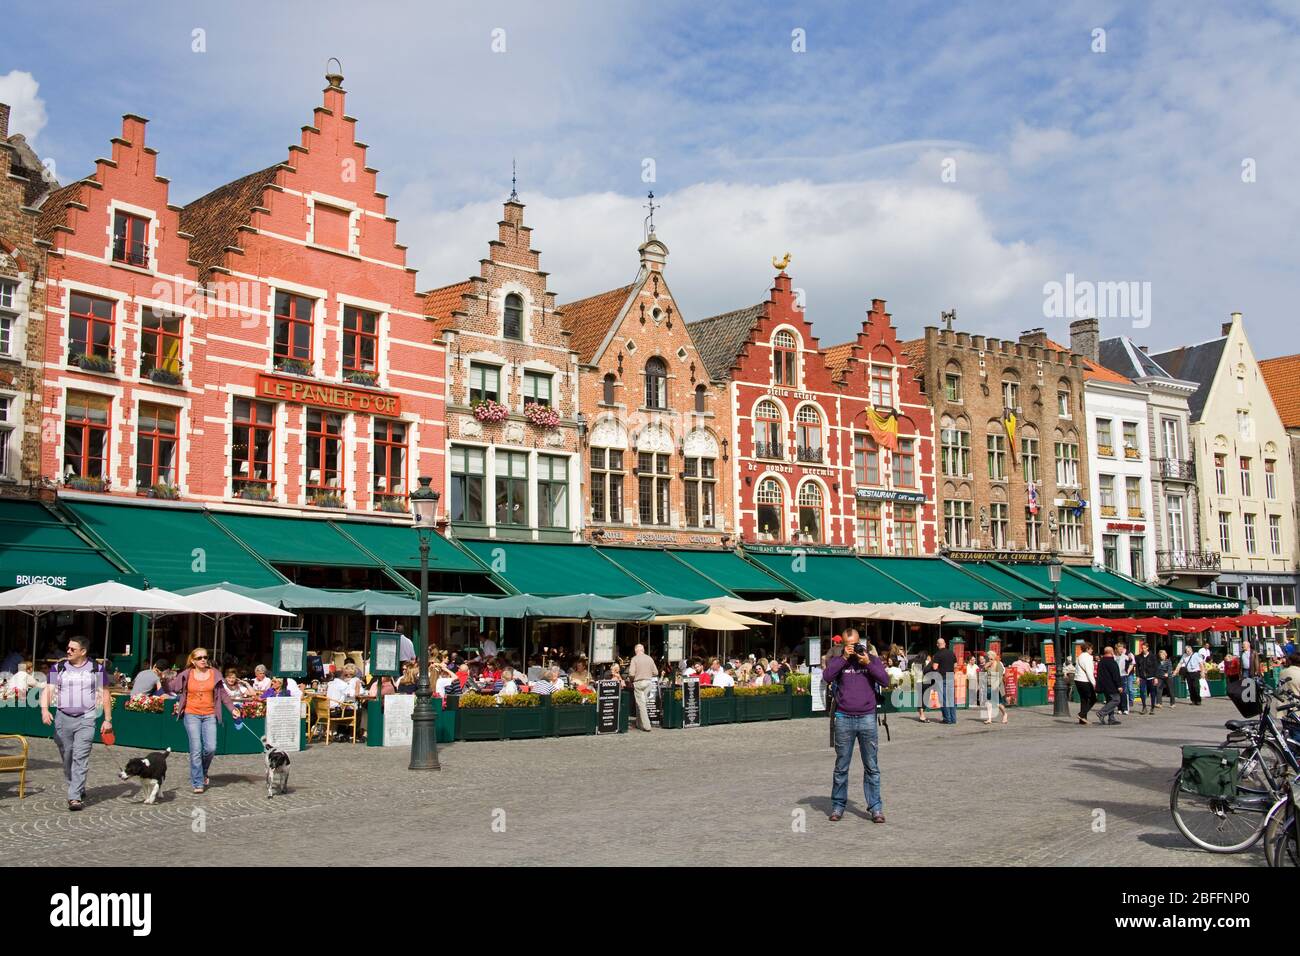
361 378
1218 687
1031 696
393 506
165 492
527 716
327 500
541 416
573 720
800 706
490 411
293 366
255 493
163 376
93 363
717 710
86 483
475 721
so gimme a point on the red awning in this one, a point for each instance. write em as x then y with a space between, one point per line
1125 625
1152 625
1224 624
1184 625
1262 620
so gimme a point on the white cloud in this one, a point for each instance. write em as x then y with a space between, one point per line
1029 146
921 247
27 115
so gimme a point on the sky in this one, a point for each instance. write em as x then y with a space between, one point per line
975 157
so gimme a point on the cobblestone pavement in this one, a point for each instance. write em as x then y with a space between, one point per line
1025 793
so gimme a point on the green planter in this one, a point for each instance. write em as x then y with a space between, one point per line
524 723
750 708
626 704
445 722
135 729
447 711
800 706
718 710
1180 688
1218 688
1031 696
573 720
670 708
480 723
778 706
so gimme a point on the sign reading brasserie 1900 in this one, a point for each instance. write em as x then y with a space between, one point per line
347 398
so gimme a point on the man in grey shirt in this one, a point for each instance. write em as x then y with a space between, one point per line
642 672
150 681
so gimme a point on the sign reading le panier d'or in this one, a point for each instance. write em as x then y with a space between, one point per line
345 398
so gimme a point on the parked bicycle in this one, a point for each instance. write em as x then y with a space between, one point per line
1224 797
1282 829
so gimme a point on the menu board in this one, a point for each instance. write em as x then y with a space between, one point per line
602 651
608 695
676 642
818 689
398 710
691 701
290 657
653 700
283 723
1010 687
959 686
814 651
1049 658
384 649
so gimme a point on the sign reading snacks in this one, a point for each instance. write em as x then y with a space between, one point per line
345 398
608 695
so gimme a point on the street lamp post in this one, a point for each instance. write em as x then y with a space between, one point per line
424 736
1061 706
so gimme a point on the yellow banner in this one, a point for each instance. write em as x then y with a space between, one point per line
883 429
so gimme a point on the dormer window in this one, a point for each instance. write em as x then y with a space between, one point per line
656 383
607 393
513 318
785 359
882 386
130 239
699 399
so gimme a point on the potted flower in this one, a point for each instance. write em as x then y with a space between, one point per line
800 688
541 416
1218 683
255 493
767 702
358 377
293 366
573 713
86 483
479 718
526 716
394 506
164 376
490 411
164 491
93 363
327 499
1031 689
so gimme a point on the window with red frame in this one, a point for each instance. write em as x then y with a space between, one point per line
390 460
324 452
785 359
90 327
904 464
155 446
882 386
161 338
85 435
293 338
360 340
130 239
253 445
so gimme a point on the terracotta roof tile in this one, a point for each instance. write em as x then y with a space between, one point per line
440 303
214 220
588 320
720 338
1282 375
54 211
1091 370
837 358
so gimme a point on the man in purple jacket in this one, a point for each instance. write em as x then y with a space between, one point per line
854 673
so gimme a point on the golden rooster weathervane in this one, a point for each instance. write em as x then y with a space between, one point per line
780 264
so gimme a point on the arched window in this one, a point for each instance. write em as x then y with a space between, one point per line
882 386
656 383
513 325
771 510
785 359
810 512
768 441
1010 390
952 382
608 395
699 398
808 434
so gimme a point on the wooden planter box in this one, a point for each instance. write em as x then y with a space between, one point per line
778 705
1218 688
480 723
670 717
146 731
749 708
573 720
524 723
718 710
800 706
1031 696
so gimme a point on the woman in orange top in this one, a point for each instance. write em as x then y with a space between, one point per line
201 695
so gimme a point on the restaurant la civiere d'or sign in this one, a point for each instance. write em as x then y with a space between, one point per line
345 398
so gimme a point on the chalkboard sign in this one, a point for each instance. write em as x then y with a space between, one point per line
691 702
653 701
608 695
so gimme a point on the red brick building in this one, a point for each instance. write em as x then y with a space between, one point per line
812 464
658 429
264 343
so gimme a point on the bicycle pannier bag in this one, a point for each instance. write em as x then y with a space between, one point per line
1210 771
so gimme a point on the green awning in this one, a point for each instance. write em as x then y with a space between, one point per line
662 572
398 546
296 541
172 547
36 546
944 584
551 569
732 572
1186 600
837 578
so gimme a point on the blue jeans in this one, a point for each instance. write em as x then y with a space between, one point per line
202 732
863 731
948 698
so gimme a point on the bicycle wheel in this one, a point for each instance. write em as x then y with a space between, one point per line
1216 824
1263 771
1281 838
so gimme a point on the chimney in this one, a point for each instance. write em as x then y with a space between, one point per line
1085 338
653 255
4 120
1144 349
1033 337
1227 326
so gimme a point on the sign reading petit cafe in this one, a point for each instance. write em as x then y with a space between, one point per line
345 398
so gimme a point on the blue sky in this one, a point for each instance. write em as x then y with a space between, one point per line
1115 166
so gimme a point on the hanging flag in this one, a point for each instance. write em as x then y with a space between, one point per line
883 428
1077 511
1010 424
1033 498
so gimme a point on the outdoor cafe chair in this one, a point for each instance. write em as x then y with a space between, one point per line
16 763
346 715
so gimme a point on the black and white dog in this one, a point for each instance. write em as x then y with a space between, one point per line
151 771
277 770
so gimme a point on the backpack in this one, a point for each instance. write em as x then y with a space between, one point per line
95 666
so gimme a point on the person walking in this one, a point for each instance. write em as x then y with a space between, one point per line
1165 677
856 672
994 673
1148 675
920 685
1110 682
82 685
944 664
1084 682
642 672
1126 662
200 696
1190 668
